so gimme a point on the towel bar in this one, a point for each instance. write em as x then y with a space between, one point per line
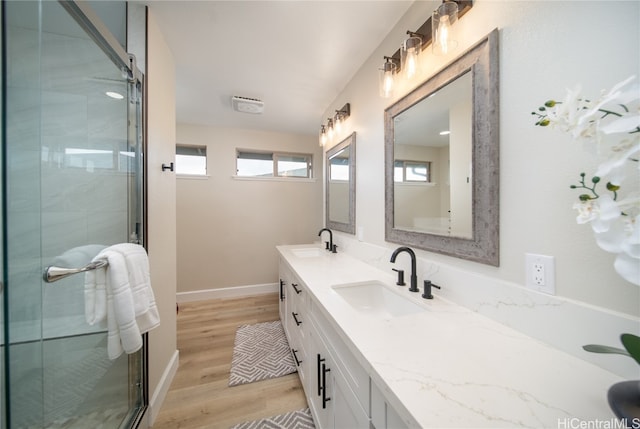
53 273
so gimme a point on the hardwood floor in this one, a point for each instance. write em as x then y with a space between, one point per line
199 396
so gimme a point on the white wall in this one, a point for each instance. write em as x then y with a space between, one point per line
545 47
228 228
161 204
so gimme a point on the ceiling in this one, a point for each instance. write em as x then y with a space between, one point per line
295 56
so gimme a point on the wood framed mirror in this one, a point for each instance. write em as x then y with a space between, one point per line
442 160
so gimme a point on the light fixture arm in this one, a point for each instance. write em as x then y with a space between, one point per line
414 34
345 112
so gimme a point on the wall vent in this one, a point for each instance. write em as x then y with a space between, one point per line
247 105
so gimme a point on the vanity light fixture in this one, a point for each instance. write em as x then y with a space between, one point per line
323 135
341 116
386 79
334 125
443 18
434 31
409 51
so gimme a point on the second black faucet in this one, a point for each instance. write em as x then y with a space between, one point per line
414 275
330 246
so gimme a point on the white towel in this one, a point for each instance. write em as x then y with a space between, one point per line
121 292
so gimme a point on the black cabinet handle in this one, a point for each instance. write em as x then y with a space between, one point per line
319 361
298 323
298 291
295 356
325 398
281 290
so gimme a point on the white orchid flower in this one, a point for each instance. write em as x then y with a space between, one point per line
587 211
618 156
628 268
608 127
631 246
611 239
606 212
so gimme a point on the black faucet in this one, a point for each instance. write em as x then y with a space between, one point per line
414 276
329 244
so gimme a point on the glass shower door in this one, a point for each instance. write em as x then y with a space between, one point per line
72 187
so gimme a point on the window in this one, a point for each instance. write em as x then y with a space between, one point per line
339 168
412 171
272 164
191 160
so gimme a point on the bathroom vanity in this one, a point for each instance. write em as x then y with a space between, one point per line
370 352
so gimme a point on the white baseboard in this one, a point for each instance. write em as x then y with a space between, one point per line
163 387
227 292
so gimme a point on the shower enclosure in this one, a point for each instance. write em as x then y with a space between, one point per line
72 184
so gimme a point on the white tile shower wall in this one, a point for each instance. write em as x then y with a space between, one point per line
56 101
562 323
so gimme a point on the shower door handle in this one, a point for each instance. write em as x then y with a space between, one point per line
53 273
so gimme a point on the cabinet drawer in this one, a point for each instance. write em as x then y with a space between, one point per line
297 311
355 375
300 358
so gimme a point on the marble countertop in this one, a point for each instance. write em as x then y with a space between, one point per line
448 366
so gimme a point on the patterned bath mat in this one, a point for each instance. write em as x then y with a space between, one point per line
300 419
260 351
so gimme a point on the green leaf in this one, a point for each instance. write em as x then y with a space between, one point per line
632 344
597 348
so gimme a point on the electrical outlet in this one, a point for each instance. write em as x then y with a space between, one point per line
540 273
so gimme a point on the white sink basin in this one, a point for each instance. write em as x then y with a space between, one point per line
378 299
308 252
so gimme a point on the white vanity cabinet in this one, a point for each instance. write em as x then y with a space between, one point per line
337 387
293 316
329 394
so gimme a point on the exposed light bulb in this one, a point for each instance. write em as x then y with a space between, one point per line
388 84
443 33
442 21
323 135
409 51
338 125
411 63
386 81
330 129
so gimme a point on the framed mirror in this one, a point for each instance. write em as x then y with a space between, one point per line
341 186
442 160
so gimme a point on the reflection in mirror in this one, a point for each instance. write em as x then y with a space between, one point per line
341 186
432 163
442 160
